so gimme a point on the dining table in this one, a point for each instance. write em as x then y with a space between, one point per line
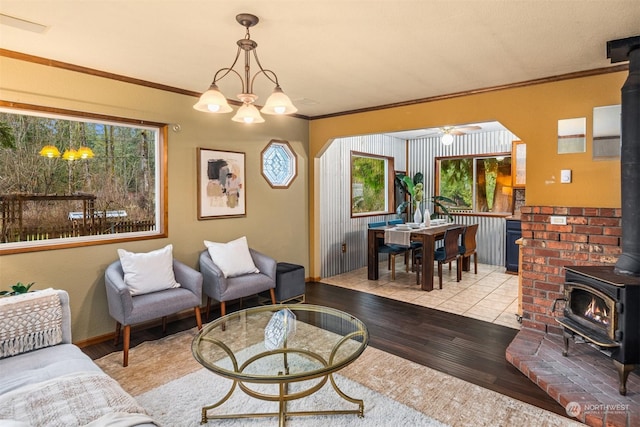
425 235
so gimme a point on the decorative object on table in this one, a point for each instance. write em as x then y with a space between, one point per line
415 188
17 289
280 328
221 188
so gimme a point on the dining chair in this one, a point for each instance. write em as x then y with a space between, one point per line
415 246
449 252
391 250
468 247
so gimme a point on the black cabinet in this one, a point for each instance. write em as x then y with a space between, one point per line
514 232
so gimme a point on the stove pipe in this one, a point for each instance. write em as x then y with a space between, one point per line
629 50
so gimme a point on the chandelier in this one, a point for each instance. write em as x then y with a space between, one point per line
70 154
213 101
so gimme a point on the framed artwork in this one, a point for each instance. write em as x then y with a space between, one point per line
606 132
572 135
221 184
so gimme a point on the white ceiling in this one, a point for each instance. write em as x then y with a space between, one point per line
330 56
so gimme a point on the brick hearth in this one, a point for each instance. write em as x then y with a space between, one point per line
591 237
585 376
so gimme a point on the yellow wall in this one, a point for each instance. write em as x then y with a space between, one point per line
276 222
530 112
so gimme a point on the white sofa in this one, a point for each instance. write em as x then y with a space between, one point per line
45 380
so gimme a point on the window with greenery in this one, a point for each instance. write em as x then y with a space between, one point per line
74 179
476 184
371 184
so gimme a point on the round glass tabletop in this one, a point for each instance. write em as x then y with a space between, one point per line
280 343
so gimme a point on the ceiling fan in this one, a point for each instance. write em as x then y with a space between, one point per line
447 132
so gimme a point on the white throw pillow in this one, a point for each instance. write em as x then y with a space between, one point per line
148 272
233 258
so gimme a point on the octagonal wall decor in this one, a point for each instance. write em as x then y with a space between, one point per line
279 164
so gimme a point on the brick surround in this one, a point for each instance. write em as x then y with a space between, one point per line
590 237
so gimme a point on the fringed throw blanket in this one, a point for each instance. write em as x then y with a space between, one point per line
30 321
73 400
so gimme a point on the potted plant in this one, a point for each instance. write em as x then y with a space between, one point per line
17 289
415 188
438 203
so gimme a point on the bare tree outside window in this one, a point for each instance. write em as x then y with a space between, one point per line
78 180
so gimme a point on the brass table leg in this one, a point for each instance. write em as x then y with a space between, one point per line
282 399
218 403
282 404
342 394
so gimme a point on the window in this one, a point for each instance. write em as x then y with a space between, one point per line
476 184
75 179
371 184
279 164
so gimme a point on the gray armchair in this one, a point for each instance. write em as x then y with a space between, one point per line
128 310
223 289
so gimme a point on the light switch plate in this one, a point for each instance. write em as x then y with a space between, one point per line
565 176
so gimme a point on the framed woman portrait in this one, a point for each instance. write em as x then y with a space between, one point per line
221 184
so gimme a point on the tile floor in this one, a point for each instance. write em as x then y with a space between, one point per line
491 295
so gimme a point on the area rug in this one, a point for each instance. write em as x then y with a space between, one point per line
165 379
179 403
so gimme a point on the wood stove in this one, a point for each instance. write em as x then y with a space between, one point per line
603 309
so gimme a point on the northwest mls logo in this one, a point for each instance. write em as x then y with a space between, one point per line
573 409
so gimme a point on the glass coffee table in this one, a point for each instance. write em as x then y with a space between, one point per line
281 353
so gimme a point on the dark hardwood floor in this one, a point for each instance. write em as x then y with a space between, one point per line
466 348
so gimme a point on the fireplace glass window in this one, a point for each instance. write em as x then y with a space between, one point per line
591 307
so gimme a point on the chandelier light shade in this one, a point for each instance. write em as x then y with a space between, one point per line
278 103
85 153
213 101
70 155
248 113
50 151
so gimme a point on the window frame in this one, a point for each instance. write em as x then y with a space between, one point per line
161 187
293 160
389 188
474 159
